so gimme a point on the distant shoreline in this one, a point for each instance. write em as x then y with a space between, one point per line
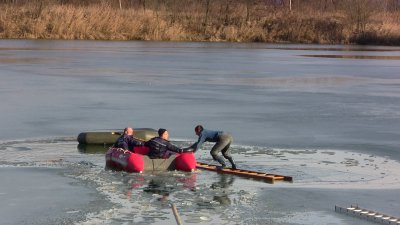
213 21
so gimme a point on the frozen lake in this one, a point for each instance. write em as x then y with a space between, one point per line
327 115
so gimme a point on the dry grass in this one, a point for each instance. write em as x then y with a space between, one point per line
193 22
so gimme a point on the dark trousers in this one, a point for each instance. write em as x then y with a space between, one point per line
222 145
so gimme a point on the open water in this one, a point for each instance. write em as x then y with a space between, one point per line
329 116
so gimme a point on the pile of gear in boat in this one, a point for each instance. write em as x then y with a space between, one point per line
131 154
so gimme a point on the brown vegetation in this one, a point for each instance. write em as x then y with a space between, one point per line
308 21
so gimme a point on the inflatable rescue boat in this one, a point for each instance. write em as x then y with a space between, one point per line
120 159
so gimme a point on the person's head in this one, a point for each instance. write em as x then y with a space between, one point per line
163 133
128 131
198 129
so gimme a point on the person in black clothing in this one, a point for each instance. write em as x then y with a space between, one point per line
127 141
160 147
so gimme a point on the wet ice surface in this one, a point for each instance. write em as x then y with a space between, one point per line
326 168
322 178
33 195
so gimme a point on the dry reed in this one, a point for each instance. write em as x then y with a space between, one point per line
196 20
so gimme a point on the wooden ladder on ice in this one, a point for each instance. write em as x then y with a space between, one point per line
266 177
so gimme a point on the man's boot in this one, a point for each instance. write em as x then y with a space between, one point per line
232 162
221 161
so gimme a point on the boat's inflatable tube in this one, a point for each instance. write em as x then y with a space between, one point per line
185 161
109 137
120 159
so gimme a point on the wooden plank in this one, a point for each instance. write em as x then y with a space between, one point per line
267 177
368 215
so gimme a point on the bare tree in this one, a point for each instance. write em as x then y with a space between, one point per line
227 12
207 11
248 5
358 13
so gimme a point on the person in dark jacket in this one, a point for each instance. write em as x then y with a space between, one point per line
127 141
222 141
160 147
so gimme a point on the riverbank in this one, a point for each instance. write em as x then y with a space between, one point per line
199 21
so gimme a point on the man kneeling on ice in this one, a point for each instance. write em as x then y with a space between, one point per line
160 147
